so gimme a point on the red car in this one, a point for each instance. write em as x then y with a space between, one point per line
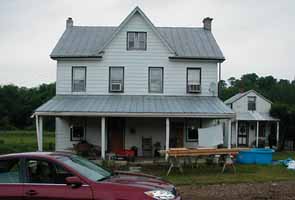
66 176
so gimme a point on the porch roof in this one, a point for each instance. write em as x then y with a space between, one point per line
255 116
135 106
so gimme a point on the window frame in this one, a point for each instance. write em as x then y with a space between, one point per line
83 123
188 123
85 74
123 79
162 80
255 103
187 72
136 49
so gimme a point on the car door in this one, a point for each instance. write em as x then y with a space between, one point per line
11 180
46 180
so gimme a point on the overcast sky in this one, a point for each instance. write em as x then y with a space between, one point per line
255 36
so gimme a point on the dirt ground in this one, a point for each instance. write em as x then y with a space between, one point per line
245 191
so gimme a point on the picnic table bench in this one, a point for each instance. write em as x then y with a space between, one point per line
174 154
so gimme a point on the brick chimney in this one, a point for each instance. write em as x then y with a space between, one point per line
207 23
69 23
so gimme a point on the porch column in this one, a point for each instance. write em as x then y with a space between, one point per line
39 130
257 133
237 129
167 136
278 133
103 138
229 134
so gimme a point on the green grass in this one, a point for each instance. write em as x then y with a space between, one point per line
205 175
24 141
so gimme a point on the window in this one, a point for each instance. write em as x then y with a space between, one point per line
116 79
78 130
252 103
192 130
42 171
193 80
156 79
78 79
10 171
136 40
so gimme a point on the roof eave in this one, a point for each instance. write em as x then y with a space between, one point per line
56 57
196 58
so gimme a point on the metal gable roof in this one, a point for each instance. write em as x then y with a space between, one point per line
135 105
183 42
240 95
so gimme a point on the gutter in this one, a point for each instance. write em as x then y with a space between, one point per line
195 58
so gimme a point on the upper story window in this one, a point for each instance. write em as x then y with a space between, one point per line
252 103
156 79
136 40
78 79
116 81
193 80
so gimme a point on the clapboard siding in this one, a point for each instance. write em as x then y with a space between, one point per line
262 105
136 65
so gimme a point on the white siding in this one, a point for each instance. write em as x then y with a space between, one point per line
241 105
136 65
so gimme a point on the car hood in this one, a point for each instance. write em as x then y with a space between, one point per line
140 180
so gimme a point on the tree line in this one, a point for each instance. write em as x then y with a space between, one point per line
17 104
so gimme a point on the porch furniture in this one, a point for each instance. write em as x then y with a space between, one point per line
86 149
147 147
175 154
127 154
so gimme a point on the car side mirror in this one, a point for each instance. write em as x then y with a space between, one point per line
74 181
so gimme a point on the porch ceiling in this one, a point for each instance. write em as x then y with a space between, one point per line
135 106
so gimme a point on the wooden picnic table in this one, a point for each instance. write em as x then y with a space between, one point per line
176 153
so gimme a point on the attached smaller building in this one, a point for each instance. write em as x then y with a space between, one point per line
253 127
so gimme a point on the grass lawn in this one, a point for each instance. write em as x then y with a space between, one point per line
24 141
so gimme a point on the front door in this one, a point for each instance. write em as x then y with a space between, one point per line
46 180
116 128
243 134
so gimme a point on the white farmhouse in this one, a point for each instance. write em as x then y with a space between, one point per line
253 125
135 85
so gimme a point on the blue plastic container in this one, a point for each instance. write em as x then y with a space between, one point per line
255 156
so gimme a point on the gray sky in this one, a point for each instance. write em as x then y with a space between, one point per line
255 36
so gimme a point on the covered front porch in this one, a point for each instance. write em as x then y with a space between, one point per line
254 129
170 122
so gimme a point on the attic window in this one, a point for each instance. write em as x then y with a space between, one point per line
136 40
251 103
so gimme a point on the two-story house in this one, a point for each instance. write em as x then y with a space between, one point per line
134 85
253 125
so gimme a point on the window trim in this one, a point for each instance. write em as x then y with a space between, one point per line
136 49
254 97
149 80
193 68
123 81
85 88
84 124
187 122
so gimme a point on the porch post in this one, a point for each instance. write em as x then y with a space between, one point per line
257 133
103 137
278 133
39 130
167 136
229 134
237 129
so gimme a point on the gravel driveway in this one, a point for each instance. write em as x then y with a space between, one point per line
245 191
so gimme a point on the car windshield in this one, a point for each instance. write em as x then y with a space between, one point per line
86 168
